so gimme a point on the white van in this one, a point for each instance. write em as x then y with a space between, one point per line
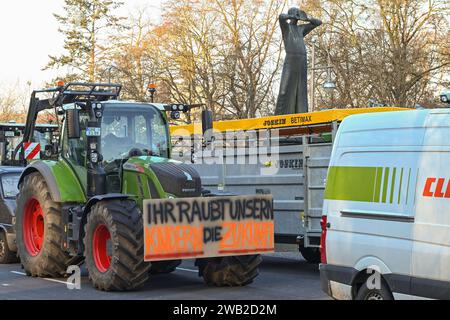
386 223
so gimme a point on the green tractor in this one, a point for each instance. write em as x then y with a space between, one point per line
84 202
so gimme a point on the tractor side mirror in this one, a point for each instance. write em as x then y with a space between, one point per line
207 121
73 124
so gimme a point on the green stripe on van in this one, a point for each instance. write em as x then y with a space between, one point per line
400 187
394 175
407 190
379 177
385 184
368 184
353 183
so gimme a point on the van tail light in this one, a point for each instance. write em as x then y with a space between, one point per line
323 240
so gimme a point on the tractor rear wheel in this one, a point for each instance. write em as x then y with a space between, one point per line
235 271
114 246
39 230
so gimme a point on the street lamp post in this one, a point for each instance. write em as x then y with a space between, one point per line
329 83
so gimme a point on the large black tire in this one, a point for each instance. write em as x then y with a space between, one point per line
383 293
164 267
124 269
48 259
235 271
311 255
6 255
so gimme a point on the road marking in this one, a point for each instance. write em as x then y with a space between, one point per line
54 280
188 270
48 279
5 285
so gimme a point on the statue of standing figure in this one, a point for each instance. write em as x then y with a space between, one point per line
293 97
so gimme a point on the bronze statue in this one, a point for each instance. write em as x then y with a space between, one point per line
293 97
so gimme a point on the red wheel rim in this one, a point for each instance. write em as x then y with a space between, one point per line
33 227
100 248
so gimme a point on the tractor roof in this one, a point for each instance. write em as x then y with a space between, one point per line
119 104
10 126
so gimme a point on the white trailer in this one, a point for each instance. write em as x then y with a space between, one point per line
297 163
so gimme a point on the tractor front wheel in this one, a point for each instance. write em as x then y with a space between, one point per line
39 230
234 271
114 246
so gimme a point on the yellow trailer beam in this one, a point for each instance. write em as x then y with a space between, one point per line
285 121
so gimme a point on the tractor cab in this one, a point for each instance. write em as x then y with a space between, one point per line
11 136
101 135
123 131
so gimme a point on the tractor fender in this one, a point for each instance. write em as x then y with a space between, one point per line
96 199
62 183
87 209
47 174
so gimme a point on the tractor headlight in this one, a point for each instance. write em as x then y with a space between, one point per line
444 98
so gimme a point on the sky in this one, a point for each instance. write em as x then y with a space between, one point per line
29 34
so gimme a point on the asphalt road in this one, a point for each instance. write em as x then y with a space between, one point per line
283 276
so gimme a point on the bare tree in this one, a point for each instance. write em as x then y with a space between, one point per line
223 53
253 53
133 61
391 51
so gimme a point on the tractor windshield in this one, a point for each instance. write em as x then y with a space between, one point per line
132 131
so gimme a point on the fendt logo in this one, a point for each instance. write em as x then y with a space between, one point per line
437 188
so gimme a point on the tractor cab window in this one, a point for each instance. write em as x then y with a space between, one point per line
43 138
128 132
74 150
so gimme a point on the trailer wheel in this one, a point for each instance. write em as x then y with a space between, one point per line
311 255
164 267
39 230
235 271
114 246
6 255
